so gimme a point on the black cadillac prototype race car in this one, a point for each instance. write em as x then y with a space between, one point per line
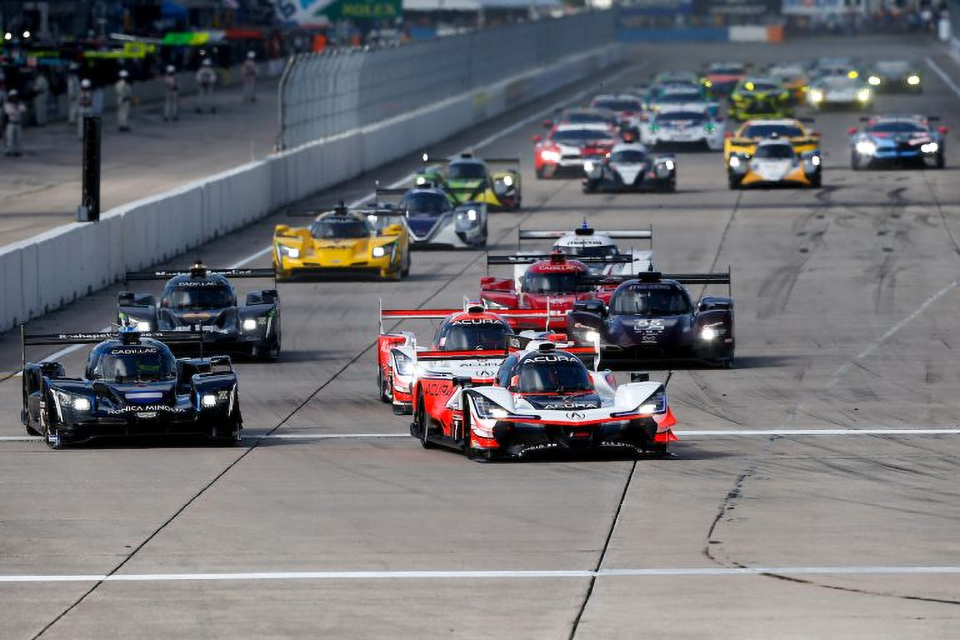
203 299
132 386
651 317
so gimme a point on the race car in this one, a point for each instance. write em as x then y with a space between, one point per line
132 386
840 92
344 242
628 167
794 77
551 283
543 399
679 98
468 342
744 140
898 140
468 180
587 242
565 148
775 163
203 299
650 317
627 107
895 75
760 97
721 77
434 218
834 66
683 128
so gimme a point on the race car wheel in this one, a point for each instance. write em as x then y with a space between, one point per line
855 162
51 435
383 384
422 421
25 421
816 181
671 187
734 184
656 449
467 440
405 271
941 161
541 174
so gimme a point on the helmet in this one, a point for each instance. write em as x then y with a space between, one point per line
123 73
251 55
171 68
85 83
207 62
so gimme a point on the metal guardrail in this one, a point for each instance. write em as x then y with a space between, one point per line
322 95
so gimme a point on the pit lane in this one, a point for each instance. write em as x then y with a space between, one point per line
845 302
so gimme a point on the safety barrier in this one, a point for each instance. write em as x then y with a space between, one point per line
48 271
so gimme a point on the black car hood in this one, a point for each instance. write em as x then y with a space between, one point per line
222 318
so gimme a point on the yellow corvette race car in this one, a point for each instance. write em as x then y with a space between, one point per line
744 140
344 243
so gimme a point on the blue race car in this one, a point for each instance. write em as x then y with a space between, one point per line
897 140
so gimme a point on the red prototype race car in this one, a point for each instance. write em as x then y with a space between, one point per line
543 399
470 342
567 146
551 284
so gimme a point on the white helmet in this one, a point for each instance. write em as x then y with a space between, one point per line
251 55
85 83
123 73
171 69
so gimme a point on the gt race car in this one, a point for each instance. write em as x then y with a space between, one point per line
628 167
203 299
898 140
543 400
472 330
344 243
721 77
627 107
132 386
895 75
435 219
682 129
760 97
840 92
794 77
650 317
775 163
745 139
587 242
468 180
683 97
565 148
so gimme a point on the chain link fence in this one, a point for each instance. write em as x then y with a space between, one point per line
325 94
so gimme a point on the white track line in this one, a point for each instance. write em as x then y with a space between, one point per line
943 75
473 575
477 145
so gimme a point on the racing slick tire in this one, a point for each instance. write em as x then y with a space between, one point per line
405 270
383 387
816 182
25 421
671 187
855 162
421 425
655 450
734 184
467 444
941 160
541 174
51 435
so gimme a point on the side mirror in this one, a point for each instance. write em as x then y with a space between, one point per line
281 230
852 130
536 138
943 130
547 124
639 376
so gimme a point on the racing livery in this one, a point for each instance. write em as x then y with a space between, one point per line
468 179
344 243
202 299
744 140
543 399
132 386
566 147
760 97
897 139
435 219
651 317
775 163
683 128
628 167
680 97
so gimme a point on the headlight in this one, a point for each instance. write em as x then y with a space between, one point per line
550 156
486 408
249 324
290 252
379 252
874 80
670 165
508 181
403 364
209 400
472 214
866 148
141 325
592 336
81 404
709 333
815 161
913 80
657 403
421 181
863 95
816 96
588 166
70 401
930 147
734 161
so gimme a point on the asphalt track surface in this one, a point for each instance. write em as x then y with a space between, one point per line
813 493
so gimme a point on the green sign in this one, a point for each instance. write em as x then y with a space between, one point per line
308 11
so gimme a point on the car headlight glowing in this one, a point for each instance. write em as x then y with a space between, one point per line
592 336
472 214
734 161
249 324
670 165
508 181
930 147
874 80
290 252
863 94
709 333
550 156
209 400
379 252
421 181
588 166
81 404
657 403
486 408
913 80
815 161
853 75
866 148
143 325
816 96
403 364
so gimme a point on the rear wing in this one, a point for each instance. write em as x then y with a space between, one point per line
540 257
584 231
440 356
717 278
96 337
441 314
467 156
166 274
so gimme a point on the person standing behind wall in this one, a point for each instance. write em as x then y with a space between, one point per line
171 102
73 93
249 74
41 92
13 109
84 104
206 79
124 101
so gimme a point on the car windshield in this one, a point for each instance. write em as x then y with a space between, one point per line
340 228
628 156
565 376
726 69
768 130
676 117
135 364
777 151
619 106
675 97
896 126
581 117
426 204
556 283
473 335
579 136
197 298
466 171
650 300
893 66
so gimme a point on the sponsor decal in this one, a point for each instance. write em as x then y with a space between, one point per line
476 321
436 389
133 351
189 284
562 406
547 359
156 408
575 415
